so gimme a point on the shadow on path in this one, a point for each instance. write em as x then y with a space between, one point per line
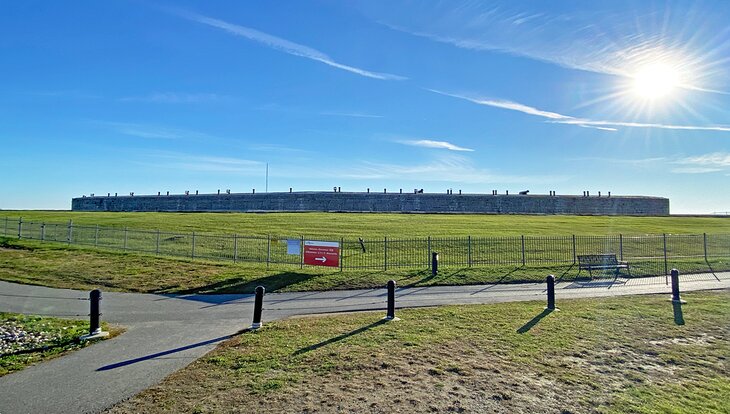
168 352
534 321
678 316
339 338
499 281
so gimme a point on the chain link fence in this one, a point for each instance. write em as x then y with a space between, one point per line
646 254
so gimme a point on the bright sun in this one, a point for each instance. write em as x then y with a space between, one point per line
655 81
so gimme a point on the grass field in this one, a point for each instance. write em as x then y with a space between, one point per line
630 354
29 339
489 260
371 225
85 268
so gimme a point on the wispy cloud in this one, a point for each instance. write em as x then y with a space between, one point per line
450 169
427 143
605 39
152 131
176 98
212 164
597 124
277 148
695 170
701 164
282 45
557 118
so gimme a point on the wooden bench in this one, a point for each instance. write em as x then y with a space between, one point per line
591 262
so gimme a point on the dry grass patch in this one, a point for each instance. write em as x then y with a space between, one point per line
597 355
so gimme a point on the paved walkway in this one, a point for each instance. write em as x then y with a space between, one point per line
167 332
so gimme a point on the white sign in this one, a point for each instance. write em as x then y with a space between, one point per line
292 246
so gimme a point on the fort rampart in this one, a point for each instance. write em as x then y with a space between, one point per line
381 202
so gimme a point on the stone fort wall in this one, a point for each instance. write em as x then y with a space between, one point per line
381 202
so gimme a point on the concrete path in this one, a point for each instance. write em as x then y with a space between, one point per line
167 332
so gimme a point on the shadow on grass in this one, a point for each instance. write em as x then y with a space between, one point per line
339 338
534 321
168 352
242 285
678 316
53 346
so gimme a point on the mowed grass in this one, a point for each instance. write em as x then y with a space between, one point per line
371 225
62 337
85 268
638 354
58 265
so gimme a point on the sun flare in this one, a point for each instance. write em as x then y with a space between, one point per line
655 81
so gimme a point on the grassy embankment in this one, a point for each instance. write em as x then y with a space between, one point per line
370 225
57 265
628 354
33 339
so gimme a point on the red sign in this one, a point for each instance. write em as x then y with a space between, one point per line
321 253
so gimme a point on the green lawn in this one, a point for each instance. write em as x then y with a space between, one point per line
130 264
634 354
54 337
85 268
377 225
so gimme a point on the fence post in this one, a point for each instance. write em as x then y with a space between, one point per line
434 263
523 250
428 258
575 253
385 253
468 258
704 242
301 250
621 246
43 232
125 238
5 233
666 269
70 231
157 243
96 236
268 250
235 248
342 252
192 251
20 228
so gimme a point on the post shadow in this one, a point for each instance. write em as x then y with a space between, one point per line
678 316
163 353
709 266
340 337
534 321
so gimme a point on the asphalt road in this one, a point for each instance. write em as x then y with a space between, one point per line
167 332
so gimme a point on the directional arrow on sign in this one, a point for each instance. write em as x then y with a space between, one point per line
321 259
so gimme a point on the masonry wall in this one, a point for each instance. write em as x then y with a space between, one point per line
379 202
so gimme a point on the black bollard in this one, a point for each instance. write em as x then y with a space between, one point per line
550 292
434 263
257 307
94 324
390 316
95 316
675 287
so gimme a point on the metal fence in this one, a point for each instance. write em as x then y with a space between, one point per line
647 254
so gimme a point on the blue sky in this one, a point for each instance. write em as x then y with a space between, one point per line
125 96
